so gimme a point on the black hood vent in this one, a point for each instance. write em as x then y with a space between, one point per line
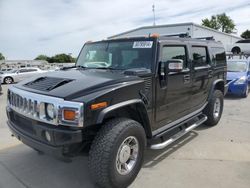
47 83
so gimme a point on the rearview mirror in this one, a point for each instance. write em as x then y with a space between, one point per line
175 65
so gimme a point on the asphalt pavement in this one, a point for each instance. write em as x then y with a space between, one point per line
217 157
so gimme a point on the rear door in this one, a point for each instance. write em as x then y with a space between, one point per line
202 75
173 99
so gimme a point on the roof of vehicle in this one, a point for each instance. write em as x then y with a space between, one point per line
167 38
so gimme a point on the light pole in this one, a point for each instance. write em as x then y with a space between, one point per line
153 9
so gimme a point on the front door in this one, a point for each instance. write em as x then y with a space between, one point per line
172 99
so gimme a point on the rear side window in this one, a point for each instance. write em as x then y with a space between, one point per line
218 56
23 70
175 52
200 56
32 70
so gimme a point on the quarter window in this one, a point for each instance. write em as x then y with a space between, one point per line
174 52
218 56
200 56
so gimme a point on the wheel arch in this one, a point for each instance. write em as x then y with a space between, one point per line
217 85
134 109
237 48
3 79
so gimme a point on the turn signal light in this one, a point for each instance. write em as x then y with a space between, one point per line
98 105
155 35
69 115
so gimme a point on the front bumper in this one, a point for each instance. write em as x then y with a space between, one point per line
237 89
32 133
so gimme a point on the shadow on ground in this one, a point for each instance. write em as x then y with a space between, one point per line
40 171
233 97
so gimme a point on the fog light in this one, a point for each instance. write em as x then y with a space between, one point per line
47 136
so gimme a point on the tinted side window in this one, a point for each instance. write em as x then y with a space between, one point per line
32 70
200 56
174 52
23 70
218 56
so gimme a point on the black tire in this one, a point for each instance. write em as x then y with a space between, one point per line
245 94
8 80
236 50
213 117
104 151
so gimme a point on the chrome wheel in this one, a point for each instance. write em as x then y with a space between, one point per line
217 106
127 155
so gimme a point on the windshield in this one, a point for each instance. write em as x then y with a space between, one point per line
120 55
236 66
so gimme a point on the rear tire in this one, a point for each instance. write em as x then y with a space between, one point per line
116 154
214 108
236 50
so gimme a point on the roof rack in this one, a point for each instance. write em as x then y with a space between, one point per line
181 35
206 38
186 35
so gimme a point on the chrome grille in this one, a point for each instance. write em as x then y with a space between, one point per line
32 105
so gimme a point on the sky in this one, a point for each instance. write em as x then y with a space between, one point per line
29 28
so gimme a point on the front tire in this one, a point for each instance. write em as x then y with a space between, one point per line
245 94
214 108
8 80
116 154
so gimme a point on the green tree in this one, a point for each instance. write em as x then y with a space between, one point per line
220 22
212 23
2 57
246 34
62 58
42 57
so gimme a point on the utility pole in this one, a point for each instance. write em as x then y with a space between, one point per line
153 9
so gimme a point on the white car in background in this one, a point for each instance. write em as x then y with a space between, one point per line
241 46
19 74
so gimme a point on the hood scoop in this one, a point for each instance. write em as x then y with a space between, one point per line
47 83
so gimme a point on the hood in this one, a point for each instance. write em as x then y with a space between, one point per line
235 75
73 82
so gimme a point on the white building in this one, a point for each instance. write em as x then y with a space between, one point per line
192 29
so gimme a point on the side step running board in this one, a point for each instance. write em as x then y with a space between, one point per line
180 134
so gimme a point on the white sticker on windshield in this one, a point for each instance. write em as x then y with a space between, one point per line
143 44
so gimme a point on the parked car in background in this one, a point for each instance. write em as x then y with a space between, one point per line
6 70
242 46
19 74
238 76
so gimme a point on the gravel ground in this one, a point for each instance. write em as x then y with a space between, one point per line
207 157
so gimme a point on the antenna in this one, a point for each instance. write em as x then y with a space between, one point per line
153 9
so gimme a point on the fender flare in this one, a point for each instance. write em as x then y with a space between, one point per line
141 110
214 85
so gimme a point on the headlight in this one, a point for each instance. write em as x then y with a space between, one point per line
50 111
242 80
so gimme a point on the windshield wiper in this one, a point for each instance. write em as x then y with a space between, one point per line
105 68
81 67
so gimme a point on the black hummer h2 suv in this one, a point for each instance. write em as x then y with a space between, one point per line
121 95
